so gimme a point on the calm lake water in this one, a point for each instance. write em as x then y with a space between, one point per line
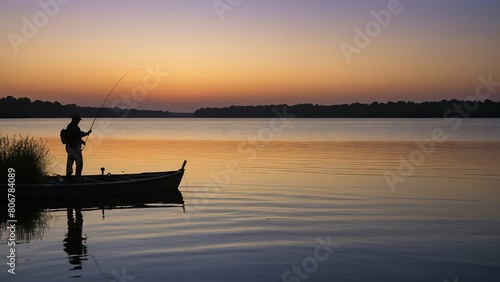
276 200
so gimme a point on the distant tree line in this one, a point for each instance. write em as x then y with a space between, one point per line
475 109
11 107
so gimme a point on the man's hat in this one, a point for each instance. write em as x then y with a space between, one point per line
76 117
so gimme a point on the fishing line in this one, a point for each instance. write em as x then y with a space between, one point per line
109 94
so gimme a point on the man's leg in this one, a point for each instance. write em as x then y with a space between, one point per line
74 155
79 166
79 161
69 165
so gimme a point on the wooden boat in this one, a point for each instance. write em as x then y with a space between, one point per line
91 186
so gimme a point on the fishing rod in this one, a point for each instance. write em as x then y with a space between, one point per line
109 94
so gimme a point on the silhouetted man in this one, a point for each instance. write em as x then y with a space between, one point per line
74 146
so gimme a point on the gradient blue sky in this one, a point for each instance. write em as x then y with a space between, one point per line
263 52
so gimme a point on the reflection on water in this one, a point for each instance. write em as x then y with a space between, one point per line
32 224
254 209
34 219
296 130
74 243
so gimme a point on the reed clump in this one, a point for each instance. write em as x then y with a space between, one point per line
29 158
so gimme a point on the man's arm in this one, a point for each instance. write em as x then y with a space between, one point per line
82 133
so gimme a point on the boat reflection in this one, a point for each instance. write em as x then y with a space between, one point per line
149 199
33 218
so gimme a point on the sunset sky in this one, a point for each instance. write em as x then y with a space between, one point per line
254 52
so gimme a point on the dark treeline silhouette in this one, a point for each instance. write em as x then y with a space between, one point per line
11 107
450 108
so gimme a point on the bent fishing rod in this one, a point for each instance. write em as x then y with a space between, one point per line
102 105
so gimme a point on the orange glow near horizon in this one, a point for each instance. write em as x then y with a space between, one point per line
273 55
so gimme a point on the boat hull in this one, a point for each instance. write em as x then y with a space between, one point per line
97 186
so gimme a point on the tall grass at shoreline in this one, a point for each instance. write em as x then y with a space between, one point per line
28 157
